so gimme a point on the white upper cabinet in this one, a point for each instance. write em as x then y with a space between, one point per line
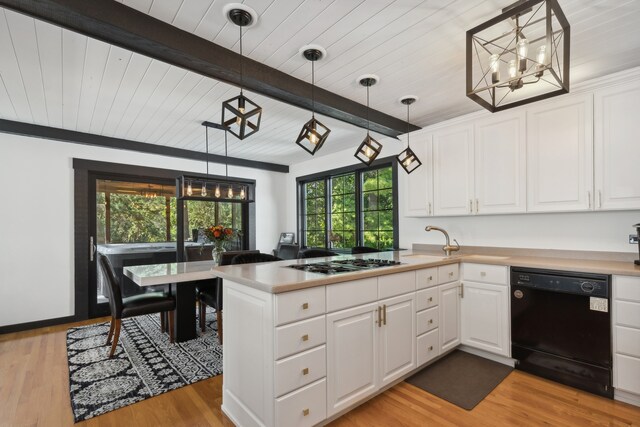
560 155
617 148
419 184
500 163
453 170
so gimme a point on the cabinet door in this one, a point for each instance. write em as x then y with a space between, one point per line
617 150
453 170
500 164
449 316
397 338
484 317
352 357
418 192
560 155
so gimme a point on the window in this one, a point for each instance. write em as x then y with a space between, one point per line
349 207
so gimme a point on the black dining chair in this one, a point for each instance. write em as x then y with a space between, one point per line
363 250
315 253
288 251
254 258
121 308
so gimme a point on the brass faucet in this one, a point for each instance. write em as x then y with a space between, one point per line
447 248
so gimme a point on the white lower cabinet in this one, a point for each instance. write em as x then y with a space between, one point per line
304 407
484 308
368 347
626 335
449 296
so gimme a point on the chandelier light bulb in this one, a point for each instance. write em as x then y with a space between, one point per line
230 193
203 192
242 194
523 49
189 189
542 55
513 69
494 63
217 193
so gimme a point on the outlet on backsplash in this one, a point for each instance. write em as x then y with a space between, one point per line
633 239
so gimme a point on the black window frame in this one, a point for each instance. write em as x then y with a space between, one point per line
326 176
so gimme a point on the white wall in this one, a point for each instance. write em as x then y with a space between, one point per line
589 231
36 219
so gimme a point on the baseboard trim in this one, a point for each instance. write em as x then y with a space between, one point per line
19 327
626 397
485 354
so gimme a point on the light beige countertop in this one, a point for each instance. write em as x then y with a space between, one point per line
275 277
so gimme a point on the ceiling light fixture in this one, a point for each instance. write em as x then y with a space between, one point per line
408 159
531 38
240 115
369 149
313 133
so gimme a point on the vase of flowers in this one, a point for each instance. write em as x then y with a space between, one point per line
219 236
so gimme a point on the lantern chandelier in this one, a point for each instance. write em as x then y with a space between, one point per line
240 115
313 133
370 149
520 56
408 159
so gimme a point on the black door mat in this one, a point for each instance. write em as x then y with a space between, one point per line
461 378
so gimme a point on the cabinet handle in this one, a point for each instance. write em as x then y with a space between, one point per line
305 412
305 371
429 208
470 206
305 305
305 337
431 321
430 278
384 314
430 348
379 321
477 205
92 248
461 290
599 199
430 299
451 274
482 273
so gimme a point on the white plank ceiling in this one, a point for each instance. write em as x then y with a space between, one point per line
54 77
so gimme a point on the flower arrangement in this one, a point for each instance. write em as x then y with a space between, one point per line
218 233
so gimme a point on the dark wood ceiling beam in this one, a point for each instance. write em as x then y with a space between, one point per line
119 25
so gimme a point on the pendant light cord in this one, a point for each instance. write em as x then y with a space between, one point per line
408 142
241 62
206 131
313 83
226 157
368 109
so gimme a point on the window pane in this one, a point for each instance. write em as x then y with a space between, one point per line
370 239
337 203
386 220
371 221
377 205
385 199
314 213
350 202
385 178
370 180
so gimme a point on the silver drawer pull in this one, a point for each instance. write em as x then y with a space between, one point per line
305 412
430 278
305 371
430 348
430 299
430 321
305 337
305 306
451 274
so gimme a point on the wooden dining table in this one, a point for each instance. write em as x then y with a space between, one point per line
182 276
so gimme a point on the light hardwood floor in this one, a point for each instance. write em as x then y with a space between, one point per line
34 391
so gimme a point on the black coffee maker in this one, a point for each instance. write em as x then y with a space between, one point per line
637 226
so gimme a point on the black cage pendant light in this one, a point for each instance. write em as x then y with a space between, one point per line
240 115
370 149
530 40
408 159
313 133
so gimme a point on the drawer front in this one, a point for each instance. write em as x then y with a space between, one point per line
350 294
426 298
396 284
427 320
298 305
300 369
426 278
485 273
304 407
627 373
627 288
300 336
627 341
627 313
428 347
448 273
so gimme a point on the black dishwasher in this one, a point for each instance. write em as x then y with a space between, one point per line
561 327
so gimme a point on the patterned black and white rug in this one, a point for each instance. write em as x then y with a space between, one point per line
145 364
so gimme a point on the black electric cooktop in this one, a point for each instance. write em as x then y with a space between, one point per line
344 265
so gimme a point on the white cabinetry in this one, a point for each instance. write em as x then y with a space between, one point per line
453 170
449 296
371 345
419 184
626 338
500 164
485 308
560 155
617 151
